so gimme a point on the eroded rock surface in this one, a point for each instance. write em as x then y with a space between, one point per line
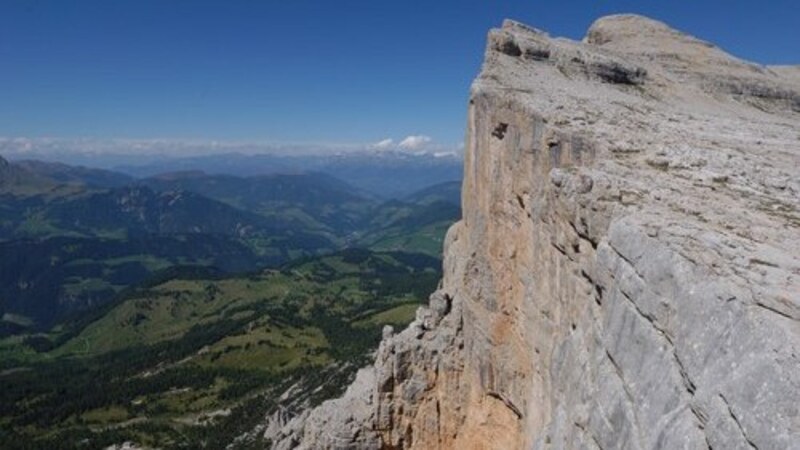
627 271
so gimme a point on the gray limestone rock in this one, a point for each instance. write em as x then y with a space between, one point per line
626 274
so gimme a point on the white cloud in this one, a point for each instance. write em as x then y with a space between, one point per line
47 147
382 145
415 142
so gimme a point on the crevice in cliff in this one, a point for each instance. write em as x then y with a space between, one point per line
627 260
500 130
583 235
621 377
562 251
702 419
507 46
688 384
701 416
738 424
507 402
776 311
616 73
591 435
628 394
438 423
598 289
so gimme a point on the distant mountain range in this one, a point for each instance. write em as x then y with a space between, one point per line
310 200
72 238
384 173
67 174
388 174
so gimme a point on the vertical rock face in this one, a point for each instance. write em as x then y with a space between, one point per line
627 271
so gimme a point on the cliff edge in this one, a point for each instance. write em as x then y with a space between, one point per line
627 271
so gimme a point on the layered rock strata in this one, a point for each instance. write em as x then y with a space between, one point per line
626 274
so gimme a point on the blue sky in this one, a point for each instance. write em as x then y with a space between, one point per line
297 70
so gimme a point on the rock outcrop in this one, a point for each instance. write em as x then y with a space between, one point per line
627 271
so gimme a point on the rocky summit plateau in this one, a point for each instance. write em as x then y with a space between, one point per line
626 274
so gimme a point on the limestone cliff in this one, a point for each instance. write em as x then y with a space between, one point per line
627 271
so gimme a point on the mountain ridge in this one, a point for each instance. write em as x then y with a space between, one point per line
625 274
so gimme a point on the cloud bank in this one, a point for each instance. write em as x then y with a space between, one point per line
41 147
412 143
383 145
415 142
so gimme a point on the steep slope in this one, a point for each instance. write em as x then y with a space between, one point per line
449 192
418 223
18 181
627 270
65 174
307 200
141 210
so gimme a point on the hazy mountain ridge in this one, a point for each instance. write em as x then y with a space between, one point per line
69 174
388 174
17 180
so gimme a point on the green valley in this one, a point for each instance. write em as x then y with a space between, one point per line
177 311
73 238
185 362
